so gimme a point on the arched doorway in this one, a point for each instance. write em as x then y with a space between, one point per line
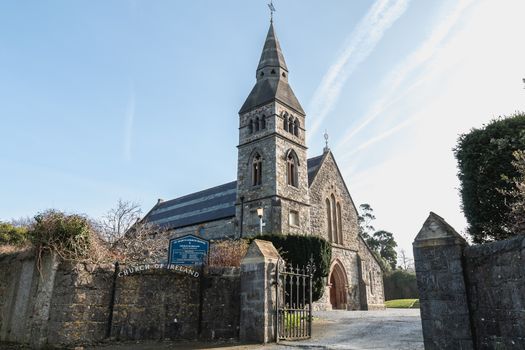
338 286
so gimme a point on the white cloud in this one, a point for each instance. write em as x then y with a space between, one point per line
362 42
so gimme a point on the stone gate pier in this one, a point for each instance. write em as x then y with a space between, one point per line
471 297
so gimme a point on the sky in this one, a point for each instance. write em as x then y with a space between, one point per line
101 100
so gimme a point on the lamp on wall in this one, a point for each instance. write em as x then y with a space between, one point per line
260 212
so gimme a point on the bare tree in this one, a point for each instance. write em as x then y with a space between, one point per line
144 242
24 221
117 221
405 262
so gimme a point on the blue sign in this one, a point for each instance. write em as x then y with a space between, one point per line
188 250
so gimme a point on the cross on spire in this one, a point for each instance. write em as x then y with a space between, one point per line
326 148
272 10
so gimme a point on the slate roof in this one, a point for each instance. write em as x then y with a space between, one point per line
208 205
313 166
268 90
203 206
272 55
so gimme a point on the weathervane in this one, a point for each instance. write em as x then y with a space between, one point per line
272 10
326 149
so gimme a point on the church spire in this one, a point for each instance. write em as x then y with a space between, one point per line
272 78
272 55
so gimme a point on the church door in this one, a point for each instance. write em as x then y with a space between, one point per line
338 287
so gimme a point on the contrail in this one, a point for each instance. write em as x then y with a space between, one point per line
362 42
414 61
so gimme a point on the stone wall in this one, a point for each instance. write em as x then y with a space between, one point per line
495 280
218 229
471 297
371 279
328 181
67 304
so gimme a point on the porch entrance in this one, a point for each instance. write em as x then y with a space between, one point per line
338 286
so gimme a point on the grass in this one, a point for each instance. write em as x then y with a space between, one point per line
402 304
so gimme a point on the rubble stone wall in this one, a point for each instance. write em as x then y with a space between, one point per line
64 304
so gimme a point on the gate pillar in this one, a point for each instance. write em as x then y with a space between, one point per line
438 251
258 297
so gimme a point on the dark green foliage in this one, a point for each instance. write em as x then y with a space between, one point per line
400 284
297 250
485 158
384 243
67 235
516 218
12 235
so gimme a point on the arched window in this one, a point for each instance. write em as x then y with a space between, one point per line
263 122
256 124
329 219
285 122
334 220
250 127
290 125
296 127
339 223
256 170
291 169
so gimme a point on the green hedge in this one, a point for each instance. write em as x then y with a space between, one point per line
400 284
297 250
12 235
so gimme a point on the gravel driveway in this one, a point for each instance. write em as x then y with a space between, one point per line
355 330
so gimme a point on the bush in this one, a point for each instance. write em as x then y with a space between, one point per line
70 236
228 252
400 284
297 250
12 235
485 159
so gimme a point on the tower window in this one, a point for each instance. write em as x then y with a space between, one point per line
291 166
250 127
263 122
290 125
285 122
256 124
293 218
296 127
257 170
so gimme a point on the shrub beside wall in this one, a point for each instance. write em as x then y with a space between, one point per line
297 250
400 284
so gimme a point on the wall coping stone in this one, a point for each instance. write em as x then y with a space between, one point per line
437 232
498 247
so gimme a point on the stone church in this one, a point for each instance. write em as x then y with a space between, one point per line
297 194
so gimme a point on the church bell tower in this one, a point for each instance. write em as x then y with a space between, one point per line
272 169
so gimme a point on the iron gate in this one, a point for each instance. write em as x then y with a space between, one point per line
294 301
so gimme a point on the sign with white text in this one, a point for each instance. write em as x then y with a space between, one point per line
188 250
